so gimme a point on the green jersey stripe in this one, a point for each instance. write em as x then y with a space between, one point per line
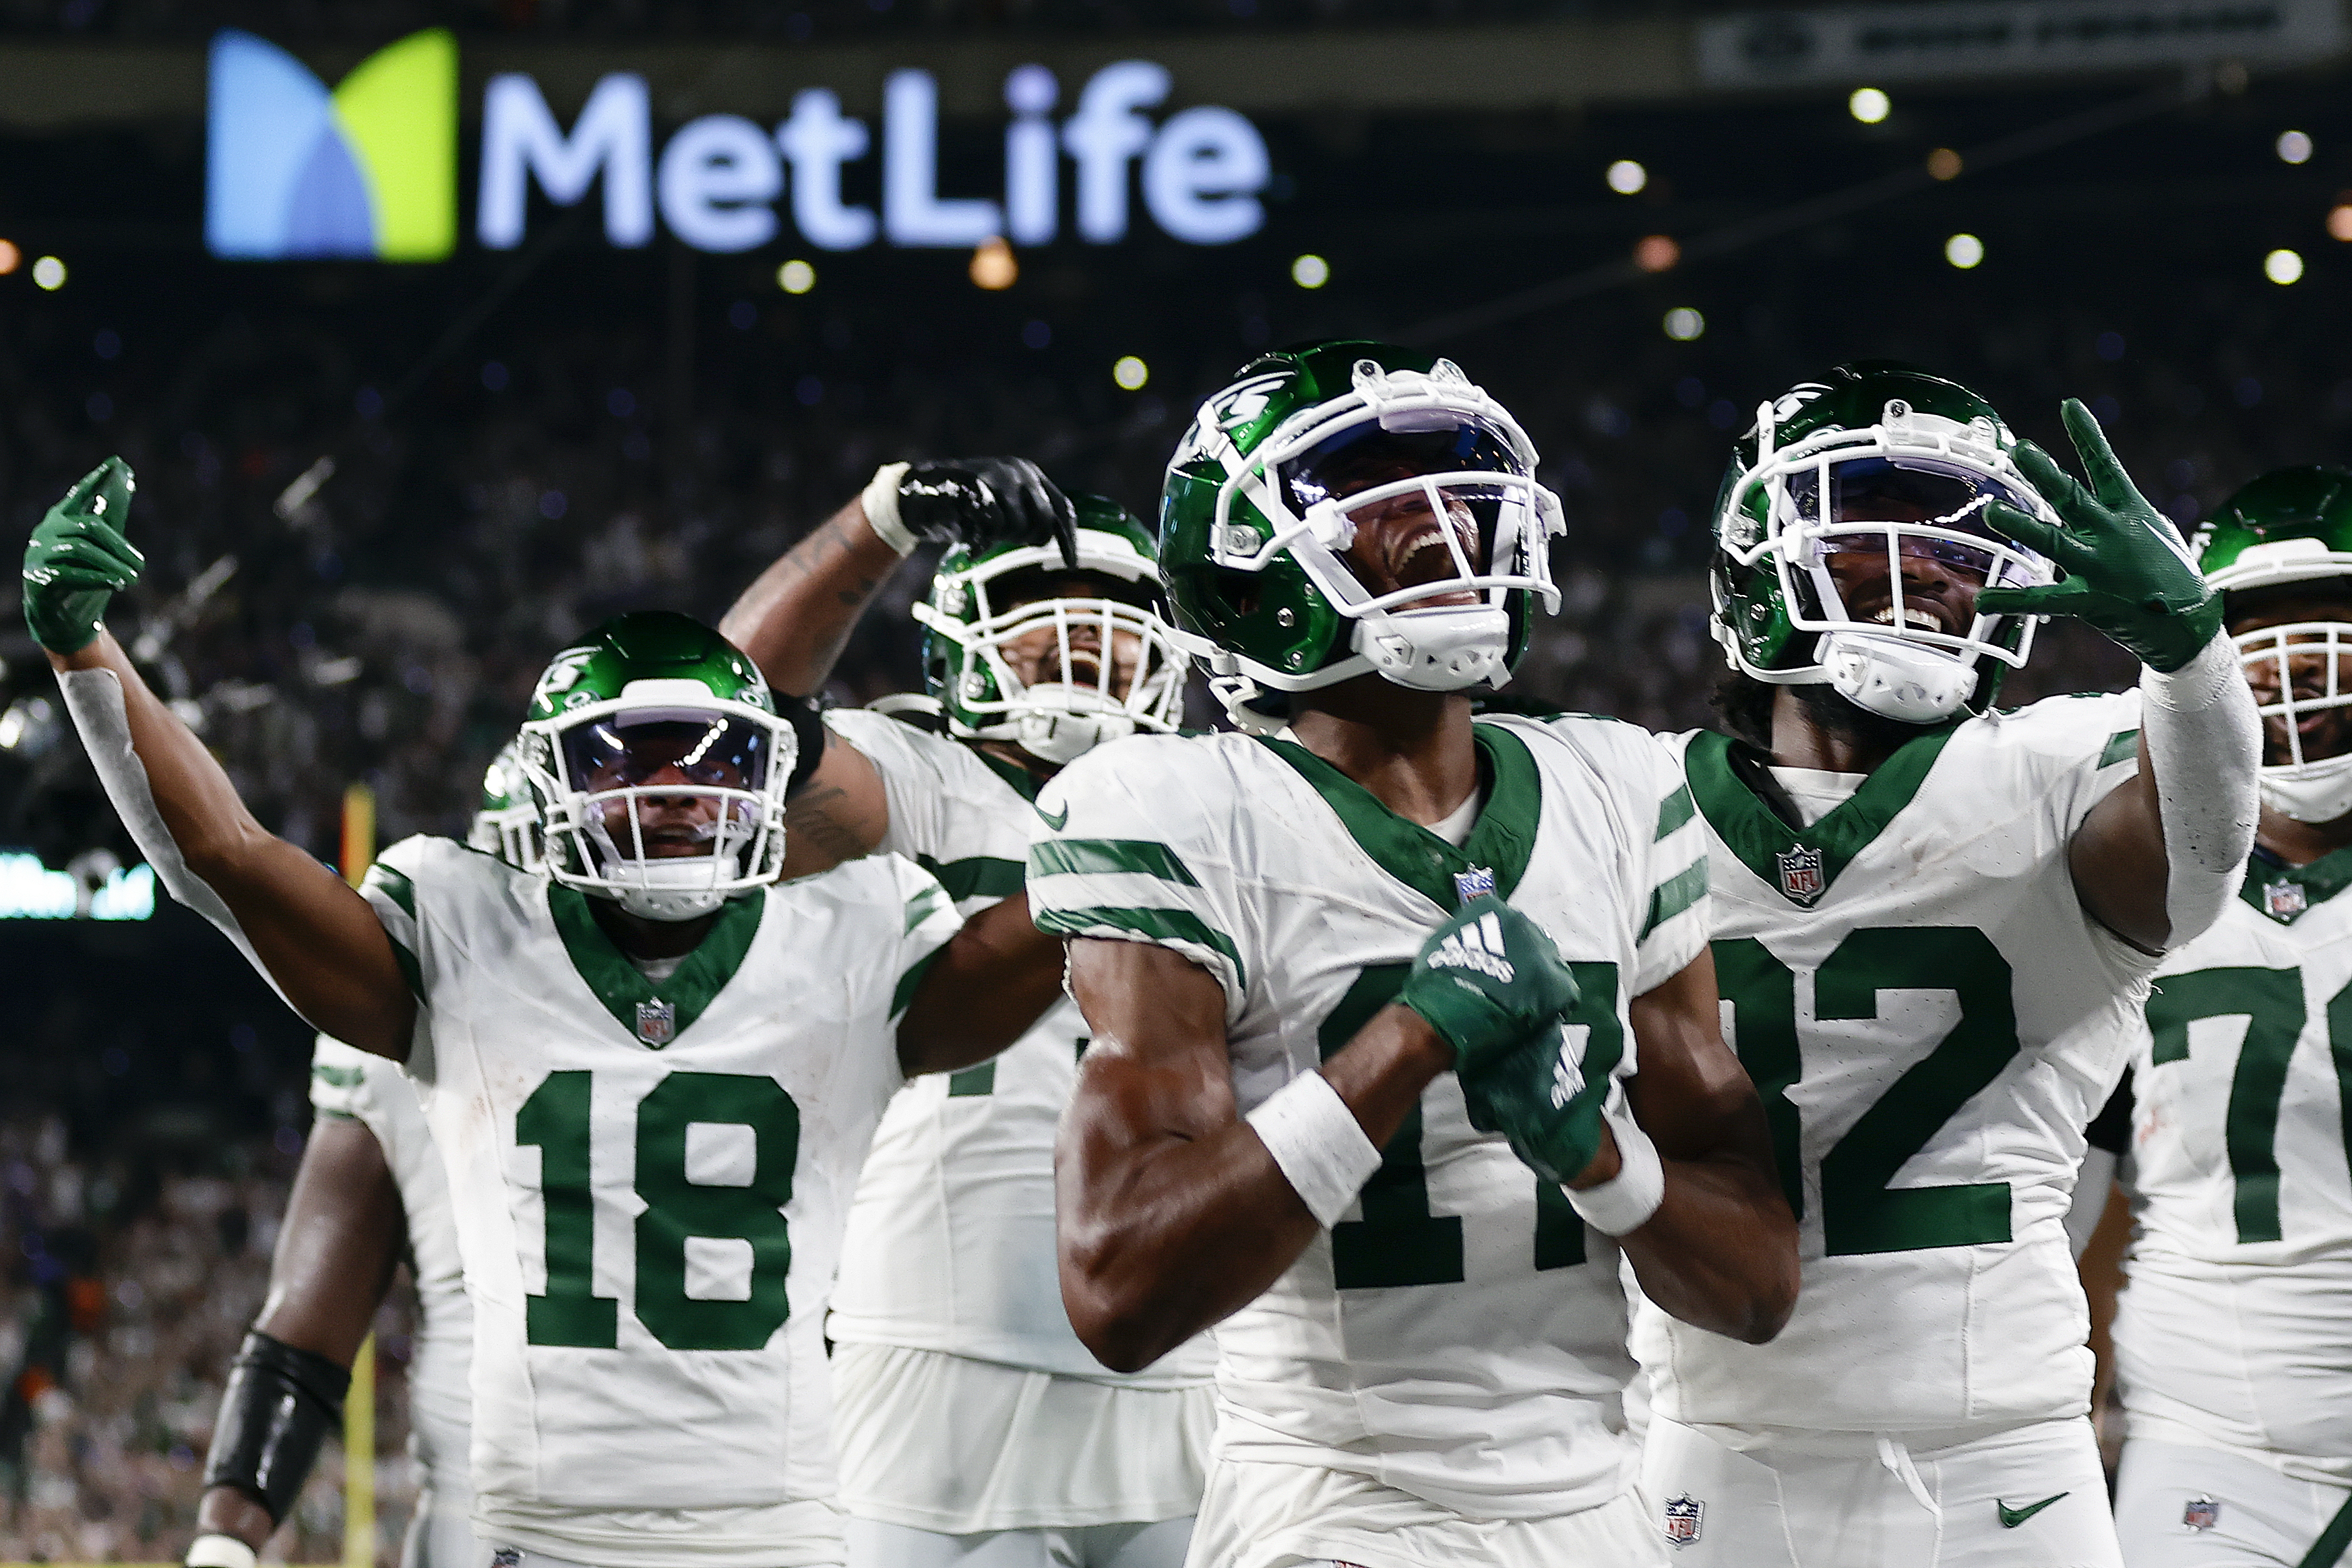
1674 810
1110 857
980 876
2122 746
903 995
1675 894
1162 926
393 884
926 902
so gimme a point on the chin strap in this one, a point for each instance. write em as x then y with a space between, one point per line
2205 742
2314 793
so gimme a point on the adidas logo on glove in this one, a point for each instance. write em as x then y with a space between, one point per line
1478 947
1568 1073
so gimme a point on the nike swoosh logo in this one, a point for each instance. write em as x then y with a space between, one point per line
2011 1517
1052 820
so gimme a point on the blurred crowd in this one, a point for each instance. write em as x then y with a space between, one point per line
386 621
130 1279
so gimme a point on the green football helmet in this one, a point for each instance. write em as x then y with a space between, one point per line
660 766
985 603
2291 526
506 824
1270 488
1885 459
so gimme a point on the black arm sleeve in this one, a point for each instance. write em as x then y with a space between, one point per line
2111 1129
808 727
278 1408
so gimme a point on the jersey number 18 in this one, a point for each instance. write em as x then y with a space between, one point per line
556 1120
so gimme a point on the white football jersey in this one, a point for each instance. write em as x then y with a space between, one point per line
1461 1334
1931 1020
951 1237
651 1183
373 1091
2236 1329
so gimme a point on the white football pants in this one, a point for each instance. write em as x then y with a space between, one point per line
2178 1507
2033 1496
1159 1544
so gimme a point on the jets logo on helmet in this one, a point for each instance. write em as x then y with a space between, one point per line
1878 461
506 824
660 767
1020 645
1314 449
2280 550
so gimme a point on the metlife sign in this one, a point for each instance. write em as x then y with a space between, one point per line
368 169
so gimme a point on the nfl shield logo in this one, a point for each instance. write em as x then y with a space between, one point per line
657 1023
1476 882
2201 1513
2284 900
1683 1517
1801 873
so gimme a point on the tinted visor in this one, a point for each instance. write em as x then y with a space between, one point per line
1363 455
630 749
1926 500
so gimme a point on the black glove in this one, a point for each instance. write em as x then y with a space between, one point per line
986 501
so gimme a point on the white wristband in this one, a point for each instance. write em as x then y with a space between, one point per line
219 1551
1317 1142
1626 1200
881 499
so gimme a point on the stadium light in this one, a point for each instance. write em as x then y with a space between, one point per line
1684 324
50 273
2340 220
992 265
9 257
2294 147
1626 177
796 276
1964 251
1869 105
1942 163
1310 271
1657 253
2283 267
1130 372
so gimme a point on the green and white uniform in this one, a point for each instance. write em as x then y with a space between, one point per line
967 1403
653 1174
372 1091
1458 1343
2233 1343
1931 1019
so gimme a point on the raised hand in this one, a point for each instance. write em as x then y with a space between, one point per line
2128 572
79 558
985 501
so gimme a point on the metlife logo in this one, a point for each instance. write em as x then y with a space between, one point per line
369 170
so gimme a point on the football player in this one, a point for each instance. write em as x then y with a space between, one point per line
1934 922
1339 968
695 1052
2234 1343
973 1425
370 1189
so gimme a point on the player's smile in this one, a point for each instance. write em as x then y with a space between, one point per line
1401 544
1935 597
2324 732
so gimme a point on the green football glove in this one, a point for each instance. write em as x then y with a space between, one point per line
1487 980
1537 1095
78 559
2128 571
